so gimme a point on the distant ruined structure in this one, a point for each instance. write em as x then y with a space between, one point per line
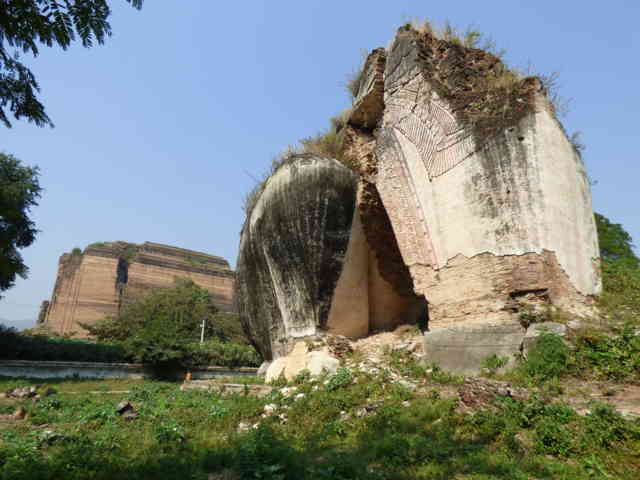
100 280
459 201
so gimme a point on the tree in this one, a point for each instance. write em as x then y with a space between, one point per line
19 190
616 245
620 298
178 311
26 25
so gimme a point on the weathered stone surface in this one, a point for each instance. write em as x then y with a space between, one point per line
262 371
320 361
275 369
100 280
461 349
369 103
292 252
481 222
305 267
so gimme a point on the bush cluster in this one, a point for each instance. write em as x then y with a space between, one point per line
14 346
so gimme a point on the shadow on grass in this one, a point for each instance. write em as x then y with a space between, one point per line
386 448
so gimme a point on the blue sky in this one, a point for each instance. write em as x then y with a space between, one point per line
160 131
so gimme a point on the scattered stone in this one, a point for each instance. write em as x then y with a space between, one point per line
24 392
20 414
270 408
243 427
339 345
123 406
130 415
575 324
287 390
298 397
301 359
127 410
319 362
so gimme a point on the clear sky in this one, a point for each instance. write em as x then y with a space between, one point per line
160 132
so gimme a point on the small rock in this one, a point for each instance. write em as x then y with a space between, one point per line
407 385
25 392
130 415
243 427
270 408
298 396
20 413
406 404
50 437
123 407
575 324
287 390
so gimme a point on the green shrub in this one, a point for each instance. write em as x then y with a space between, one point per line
552 438
168 431
492 364
547 359
342 378
605 427
222 354
14 346
438 375
615 357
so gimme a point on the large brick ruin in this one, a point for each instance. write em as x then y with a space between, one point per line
463 193
100 280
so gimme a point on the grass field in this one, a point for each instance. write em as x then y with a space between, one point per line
351 425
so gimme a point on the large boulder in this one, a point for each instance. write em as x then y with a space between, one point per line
301 359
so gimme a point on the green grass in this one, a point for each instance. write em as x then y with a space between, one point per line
591 355
351 425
